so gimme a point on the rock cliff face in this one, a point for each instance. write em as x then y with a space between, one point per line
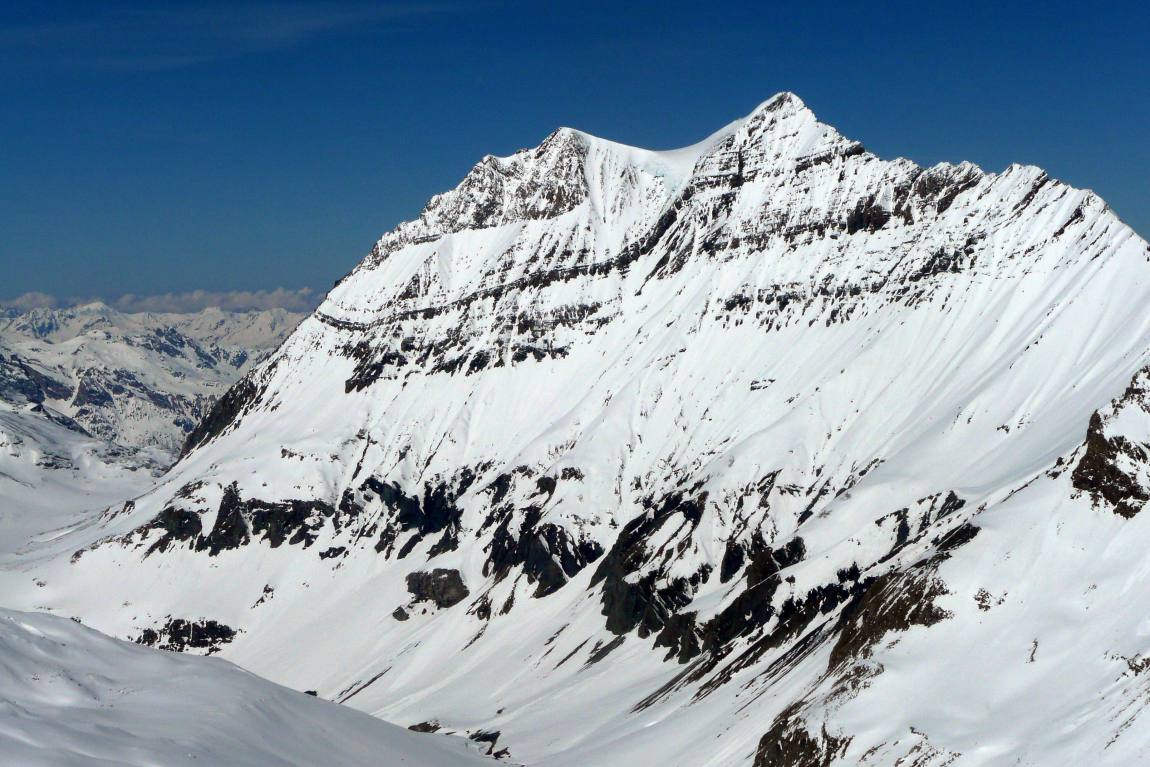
765 450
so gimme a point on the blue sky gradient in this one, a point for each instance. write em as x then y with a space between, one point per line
151 148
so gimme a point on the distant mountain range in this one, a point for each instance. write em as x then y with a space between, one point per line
137 380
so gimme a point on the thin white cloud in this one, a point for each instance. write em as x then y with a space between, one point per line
33 300
151 37
300 300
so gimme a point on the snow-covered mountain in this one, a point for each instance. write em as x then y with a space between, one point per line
762 451
75 697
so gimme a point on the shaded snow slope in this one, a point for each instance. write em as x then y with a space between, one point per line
72 696
766 451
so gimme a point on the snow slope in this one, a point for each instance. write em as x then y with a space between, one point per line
72 696
764 451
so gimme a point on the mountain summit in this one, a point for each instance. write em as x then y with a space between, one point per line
761 451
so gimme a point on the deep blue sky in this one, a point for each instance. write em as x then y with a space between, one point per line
152 147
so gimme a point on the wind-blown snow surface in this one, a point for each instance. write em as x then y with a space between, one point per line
762 451
72 696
